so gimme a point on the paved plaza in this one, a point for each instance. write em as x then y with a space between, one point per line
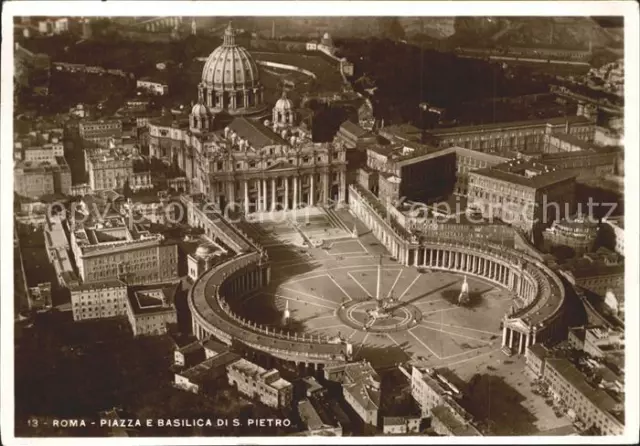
330 291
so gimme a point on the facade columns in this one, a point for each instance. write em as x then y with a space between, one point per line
286 193
259 199
295 192
521 344
527 344
504 335
311 190
273 194
326 187
246 197
264 194
343 187
510 338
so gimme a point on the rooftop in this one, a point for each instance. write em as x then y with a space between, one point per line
597 396
526 173
203 371
309 415
98 285
511 124
457 427
146 299
255 133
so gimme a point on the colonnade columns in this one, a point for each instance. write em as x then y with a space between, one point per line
504 335
259 199
295 192
521 345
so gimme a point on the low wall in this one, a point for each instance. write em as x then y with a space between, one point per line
282 66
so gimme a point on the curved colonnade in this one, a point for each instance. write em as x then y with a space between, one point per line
235 279
541 290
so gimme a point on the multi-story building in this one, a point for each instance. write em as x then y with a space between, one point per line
535 357
58 250
39 146
98 300
448 422
101 132
577 233
109 168
153 87
597 162
438 399
600 272
115 248
601 341
265 385
317 422
591 404
360 387
150 308
35 179
401 425
248 160
203 377
430 389
425 175
353 136
505 137
528 195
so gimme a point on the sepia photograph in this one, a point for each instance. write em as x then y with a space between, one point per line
261 221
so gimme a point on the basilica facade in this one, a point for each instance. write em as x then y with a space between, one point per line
239 153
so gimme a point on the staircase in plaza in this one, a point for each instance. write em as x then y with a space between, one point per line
335 219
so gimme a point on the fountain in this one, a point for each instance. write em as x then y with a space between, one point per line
463 298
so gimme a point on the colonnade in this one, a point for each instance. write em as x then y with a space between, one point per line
238 285
517 339
285 192
496 264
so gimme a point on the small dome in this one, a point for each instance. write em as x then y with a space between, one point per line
284 103
326 36
205 251
199 110
326 40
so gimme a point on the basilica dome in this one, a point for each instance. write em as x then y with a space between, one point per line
231 79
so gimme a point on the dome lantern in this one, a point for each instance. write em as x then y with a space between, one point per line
231 79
